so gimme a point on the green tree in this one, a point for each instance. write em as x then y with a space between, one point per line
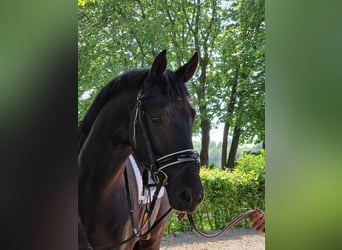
113 37
243 111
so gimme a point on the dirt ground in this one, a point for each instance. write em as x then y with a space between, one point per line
239 238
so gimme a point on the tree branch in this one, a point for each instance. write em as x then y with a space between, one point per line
134 35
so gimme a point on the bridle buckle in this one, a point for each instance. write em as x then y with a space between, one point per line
157 180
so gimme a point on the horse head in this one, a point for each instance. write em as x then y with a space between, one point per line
161 132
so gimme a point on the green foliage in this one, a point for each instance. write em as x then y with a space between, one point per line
243 58
212 165
227 195
229 35
214 152
83 2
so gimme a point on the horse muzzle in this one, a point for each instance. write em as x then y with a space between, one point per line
188 200
185 191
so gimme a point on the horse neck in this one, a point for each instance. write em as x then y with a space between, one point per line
106 149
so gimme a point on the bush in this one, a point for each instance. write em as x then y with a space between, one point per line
227 195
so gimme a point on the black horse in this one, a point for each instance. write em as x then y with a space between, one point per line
142 114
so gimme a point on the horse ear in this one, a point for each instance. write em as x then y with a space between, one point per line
158 65
186 71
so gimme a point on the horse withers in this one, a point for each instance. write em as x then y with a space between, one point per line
142 117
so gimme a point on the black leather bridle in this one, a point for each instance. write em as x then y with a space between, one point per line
158 165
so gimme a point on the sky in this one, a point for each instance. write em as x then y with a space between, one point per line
215 134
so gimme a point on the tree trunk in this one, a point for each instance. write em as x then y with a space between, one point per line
229 113
234 147
205 130
224 145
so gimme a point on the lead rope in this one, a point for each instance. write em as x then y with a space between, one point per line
226 228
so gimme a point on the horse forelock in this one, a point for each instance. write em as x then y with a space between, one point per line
172 87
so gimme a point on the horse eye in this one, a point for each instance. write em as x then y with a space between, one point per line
156 120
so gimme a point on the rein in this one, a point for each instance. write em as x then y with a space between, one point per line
226 228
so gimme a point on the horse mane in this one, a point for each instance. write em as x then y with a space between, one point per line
115 86
129 79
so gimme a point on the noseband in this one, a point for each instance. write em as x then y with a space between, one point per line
158 165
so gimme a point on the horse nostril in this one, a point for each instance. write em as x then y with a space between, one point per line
186 196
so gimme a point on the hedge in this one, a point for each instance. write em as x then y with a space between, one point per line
227 195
